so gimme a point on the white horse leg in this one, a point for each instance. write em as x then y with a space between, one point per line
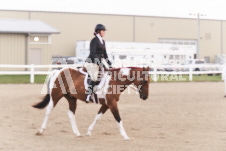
114 109
71 116
48 111
122 131
98 116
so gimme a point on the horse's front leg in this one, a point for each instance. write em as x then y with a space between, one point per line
114 109
102 110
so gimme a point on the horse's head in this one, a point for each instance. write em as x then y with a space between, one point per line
138 76
142 82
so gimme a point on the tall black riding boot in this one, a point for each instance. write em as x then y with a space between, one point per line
89 92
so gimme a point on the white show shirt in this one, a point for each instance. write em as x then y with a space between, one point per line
100 38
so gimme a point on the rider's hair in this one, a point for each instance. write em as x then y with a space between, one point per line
96 32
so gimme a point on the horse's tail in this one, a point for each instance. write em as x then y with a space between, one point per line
46 99
44 102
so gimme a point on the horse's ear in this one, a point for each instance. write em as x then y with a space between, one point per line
146 68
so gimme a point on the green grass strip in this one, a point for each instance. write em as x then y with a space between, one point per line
17 79
185 78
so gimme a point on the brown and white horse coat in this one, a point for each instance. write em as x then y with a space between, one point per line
69 83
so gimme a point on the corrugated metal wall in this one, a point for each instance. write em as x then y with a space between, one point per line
12 49
75 27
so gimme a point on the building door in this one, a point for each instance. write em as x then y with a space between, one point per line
35 56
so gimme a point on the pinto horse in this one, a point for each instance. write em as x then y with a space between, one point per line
69 83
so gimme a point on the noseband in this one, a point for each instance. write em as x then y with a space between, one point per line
141 88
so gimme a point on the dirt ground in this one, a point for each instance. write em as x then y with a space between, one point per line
176 117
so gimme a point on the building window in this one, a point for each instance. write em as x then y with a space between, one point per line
178 41
186 43
122 57
177 57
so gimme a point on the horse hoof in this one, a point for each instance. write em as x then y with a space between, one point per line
126 138
39 133
88 134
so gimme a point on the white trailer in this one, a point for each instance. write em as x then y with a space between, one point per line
141 53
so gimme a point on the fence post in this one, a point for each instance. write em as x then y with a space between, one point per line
223 72
32 75
155 73
190 73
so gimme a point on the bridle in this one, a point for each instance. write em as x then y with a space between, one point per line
141 82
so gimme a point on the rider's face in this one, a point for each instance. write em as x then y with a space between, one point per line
102 33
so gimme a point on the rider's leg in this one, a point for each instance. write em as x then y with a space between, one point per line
93 70
90 90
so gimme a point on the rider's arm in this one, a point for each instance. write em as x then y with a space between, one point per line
106 57
93 48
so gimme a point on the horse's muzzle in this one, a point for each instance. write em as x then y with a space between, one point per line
143 97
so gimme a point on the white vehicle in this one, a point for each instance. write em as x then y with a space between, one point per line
195 62
156 53
198 65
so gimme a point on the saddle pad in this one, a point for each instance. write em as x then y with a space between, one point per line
101 88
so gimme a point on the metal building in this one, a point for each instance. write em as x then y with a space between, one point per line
25 41
128 28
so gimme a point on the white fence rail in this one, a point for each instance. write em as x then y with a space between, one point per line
187 70
30 70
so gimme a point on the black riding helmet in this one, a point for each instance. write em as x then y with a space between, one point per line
99 27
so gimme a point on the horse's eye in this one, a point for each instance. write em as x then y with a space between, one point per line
141 82
144 82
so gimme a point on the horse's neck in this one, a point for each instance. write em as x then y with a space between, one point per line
128 81
122 84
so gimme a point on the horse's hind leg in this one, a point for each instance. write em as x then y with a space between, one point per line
57 95
71 113
48 111
102 110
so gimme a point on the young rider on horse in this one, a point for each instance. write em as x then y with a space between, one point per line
94 60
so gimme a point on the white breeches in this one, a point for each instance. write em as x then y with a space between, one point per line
93 70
